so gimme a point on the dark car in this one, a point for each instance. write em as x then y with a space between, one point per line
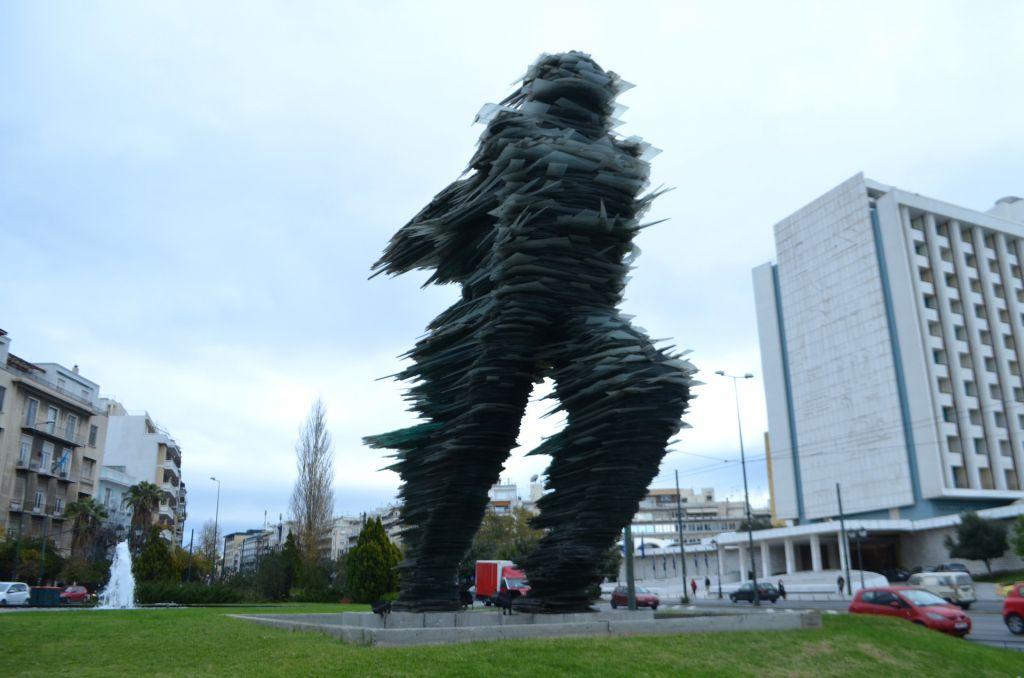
912 604
765 591
75 594
952 567
644 598
1013 609
897 574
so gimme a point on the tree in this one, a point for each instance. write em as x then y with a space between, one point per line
144 500
977 539
87 516
1018 536
508 536
209 541
312 502
370 570
756 523
21 559
154 562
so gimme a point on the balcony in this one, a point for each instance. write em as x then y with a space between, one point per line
57 433
169 488
38 509
174 468
167 510
55 512
15 506
21 464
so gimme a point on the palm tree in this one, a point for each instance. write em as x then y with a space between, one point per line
144 499
86 516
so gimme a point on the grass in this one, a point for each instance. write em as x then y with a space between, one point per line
204 641
1005 577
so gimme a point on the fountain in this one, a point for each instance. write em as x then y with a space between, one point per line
119 593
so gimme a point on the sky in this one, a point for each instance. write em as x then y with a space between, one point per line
192 193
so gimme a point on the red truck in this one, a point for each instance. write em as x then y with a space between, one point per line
494 577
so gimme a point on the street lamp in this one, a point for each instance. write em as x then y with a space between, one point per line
718 560
746 492
861 534
216 522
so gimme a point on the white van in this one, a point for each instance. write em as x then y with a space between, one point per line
956 587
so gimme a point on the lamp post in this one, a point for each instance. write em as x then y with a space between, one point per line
719 561
746 492
216 522
861 534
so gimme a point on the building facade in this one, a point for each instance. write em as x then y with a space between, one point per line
145 452
703 516
892 338
48 445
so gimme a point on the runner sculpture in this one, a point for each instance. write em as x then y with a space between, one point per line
539 235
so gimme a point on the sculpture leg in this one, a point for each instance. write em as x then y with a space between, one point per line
624 400
454 473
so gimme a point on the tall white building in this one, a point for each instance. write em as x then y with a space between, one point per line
892 338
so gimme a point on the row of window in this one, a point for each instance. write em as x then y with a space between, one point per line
666 528
49 460
985 478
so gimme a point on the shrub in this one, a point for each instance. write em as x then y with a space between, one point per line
370 571
195 593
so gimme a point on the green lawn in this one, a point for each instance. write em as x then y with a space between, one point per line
204 641
1011 577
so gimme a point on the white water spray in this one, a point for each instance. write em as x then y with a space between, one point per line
119 593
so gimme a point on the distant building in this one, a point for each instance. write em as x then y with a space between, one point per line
48 447
112 494
344 532
503 497
703 516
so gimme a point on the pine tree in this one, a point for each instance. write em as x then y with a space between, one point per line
370 571
154 562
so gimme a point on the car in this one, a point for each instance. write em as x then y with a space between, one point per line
644 598
13 593
765 591
913 604
1013 609
955 587
896 574
952 567
75 594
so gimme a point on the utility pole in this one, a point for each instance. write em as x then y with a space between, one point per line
216 529
627 541
846 542
682 547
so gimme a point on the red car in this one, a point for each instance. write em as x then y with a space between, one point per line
75 594
1013 609
913 604
644 598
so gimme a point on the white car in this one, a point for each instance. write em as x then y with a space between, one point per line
13 593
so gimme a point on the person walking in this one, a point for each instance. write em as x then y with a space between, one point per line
693 587
782 589
840 582
707 585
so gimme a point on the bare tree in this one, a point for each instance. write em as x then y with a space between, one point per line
209 543
313 498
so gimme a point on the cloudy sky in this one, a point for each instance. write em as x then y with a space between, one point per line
191 194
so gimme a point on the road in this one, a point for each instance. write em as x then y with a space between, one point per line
987 623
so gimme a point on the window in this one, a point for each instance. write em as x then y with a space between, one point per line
994 392
939 356
954 444
970 388
3 392
1018 394
943 230
986 337
1014 368
87 469
975 285
980 446
929 301
965 361
993 265
25 450
920 249
985 476
1000 419
990 364
965 233
93 430
1004 448
1008 342
980 312
71 427
945 255
38 503
971 261
959 477
106 496
998 289
975 417
925 274
1011 480
1015 271
46 457
960 333
944 385
951 280
956 307
65 460
31 412
58 505
1004 316
948 415
934 329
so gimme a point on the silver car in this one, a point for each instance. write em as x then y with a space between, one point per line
956 587
13 593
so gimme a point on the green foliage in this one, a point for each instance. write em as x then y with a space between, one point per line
194 593
1018 536
154 562
144 499
274 578
977 539
611 562
20 559
80 569
86 515
756 523
502 537
327 594
370 570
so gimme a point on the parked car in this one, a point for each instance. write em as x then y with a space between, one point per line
896 574
914 604
75 594
13 593
1013 609
955 587
765 591
644 598
952 567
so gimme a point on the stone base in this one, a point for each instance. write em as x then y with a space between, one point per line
425 628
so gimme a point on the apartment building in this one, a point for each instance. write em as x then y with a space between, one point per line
143 451
48 445
112 492
703 516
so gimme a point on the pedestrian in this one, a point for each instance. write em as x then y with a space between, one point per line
840 582
707 584
782 589
693 587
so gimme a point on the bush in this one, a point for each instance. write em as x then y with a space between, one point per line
327 594
370 570
195 593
